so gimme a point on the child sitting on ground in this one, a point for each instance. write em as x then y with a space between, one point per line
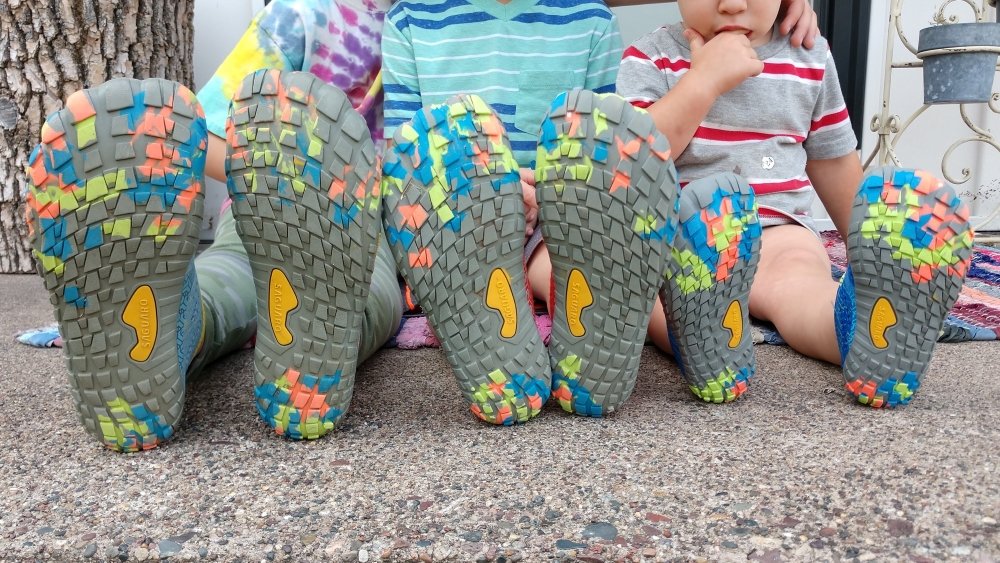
115 210
732 95
451 178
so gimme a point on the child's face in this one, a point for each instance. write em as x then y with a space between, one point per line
753 18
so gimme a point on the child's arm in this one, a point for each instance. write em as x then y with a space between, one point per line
261 46
717 67
833 164
836 181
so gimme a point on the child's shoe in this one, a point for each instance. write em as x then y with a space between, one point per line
608 200
707 288
304 183
454 215
114 211
909 247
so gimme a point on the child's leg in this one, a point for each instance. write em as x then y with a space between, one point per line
227 293
303 178
707 288
909 248
793 289
454 217
384 308
607 196
114 212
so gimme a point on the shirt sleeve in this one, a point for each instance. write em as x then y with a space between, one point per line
399 73
605 56
274 39
640 82
830 133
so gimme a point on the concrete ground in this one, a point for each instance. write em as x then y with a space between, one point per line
793 471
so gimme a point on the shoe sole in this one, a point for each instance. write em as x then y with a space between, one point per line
707 291
454 215
114 211
304 184
608 200
909 249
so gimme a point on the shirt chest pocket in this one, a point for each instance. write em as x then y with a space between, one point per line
536 90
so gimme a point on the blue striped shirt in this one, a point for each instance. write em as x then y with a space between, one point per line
516 56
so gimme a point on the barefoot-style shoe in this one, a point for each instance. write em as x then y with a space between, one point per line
608 200
909 248
114 211
707 289
454 217
304 182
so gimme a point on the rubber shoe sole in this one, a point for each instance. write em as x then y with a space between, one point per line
706 293
909 248
608 201
304 184
454 217
114 211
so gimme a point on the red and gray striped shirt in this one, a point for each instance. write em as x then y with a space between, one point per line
765 129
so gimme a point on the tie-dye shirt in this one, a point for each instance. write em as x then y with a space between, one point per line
337 40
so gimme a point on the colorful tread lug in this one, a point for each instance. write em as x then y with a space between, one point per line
303 178
707 287
608 202
114 212
454 218
909 248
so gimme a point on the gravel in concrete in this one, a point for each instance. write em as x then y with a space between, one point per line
794 471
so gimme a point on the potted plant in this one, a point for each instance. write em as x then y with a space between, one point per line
959 60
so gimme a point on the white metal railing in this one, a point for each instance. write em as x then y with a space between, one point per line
890 128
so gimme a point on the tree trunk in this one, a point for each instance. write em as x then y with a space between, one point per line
52 48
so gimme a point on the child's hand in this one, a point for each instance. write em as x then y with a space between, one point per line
800 18
530 203
724 62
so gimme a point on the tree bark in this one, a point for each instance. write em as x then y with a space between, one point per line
52 48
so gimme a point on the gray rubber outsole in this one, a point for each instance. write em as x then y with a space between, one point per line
126 378
589 227
303 179
494 347
893 360
715 361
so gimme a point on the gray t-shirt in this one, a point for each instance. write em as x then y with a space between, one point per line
765 128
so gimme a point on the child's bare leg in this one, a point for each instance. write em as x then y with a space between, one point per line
658 328
540 276
793 290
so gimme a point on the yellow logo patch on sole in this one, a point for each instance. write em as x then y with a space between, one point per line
733 322
500 298
281 300
578 298
883 318
140 315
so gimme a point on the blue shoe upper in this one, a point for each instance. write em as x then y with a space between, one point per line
845 314
188 319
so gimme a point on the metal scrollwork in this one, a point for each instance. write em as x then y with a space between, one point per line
888 125
939 17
